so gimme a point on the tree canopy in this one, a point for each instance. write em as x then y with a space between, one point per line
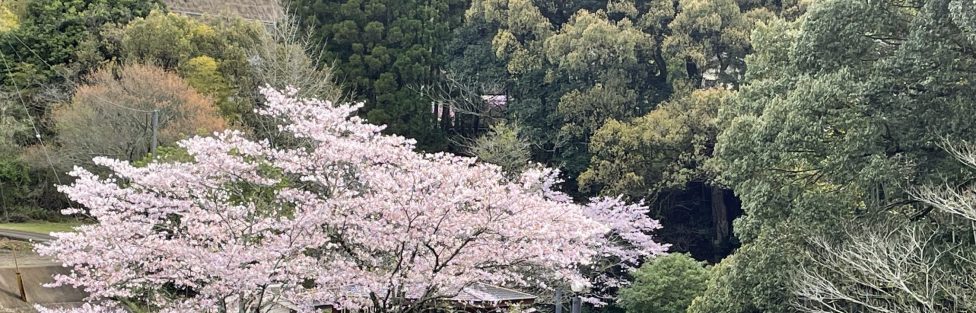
353 219
849 107
109 117
386 51
666 284
797 155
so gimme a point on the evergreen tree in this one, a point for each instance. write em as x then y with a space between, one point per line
60 40
841 113
385 51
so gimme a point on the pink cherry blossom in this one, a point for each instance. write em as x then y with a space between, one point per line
350 218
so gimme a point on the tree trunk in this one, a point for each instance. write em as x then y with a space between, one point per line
720 217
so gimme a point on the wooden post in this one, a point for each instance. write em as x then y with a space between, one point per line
20 284
20 279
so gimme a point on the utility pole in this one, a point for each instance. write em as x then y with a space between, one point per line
155 133
577 305
558 300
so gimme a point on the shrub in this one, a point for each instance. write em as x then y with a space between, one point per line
666 284
110 116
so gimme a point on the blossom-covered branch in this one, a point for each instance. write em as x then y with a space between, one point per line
353 218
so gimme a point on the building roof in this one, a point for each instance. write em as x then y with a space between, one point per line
490 293
267 11
496 101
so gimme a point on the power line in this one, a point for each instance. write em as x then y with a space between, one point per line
20 96
72 81
104 101
153 114
37 133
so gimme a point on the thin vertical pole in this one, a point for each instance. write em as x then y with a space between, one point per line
577 305
20 284
558 300
20 279
3 202
155 133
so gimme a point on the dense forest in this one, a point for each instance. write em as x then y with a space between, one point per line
800 155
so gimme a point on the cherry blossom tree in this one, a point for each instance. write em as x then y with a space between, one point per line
351 218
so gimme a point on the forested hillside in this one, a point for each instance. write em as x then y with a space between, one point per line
800 155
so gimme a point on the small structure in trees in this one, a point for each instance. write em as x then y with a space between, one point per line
483 297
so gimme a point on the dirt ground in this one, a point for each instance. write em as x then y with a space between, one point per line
35 271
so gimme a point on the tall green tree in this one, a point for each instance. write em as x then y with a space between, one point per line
581 82
841 112
574 70
60 40
664 157
212 54
385 50
709 40
600 68
14 173
572 74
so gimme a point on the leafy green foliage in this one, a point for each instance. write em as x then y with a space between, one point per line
8 19
665 149
710 37
63 39
55 43
211 54
574 65
14 173
666 284
598 63
168 39
386 50
664 157
571 72
504 146
203 74
841 112
14 179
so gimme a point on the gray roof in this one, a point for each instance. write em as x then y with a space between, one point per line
267 11
490 293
